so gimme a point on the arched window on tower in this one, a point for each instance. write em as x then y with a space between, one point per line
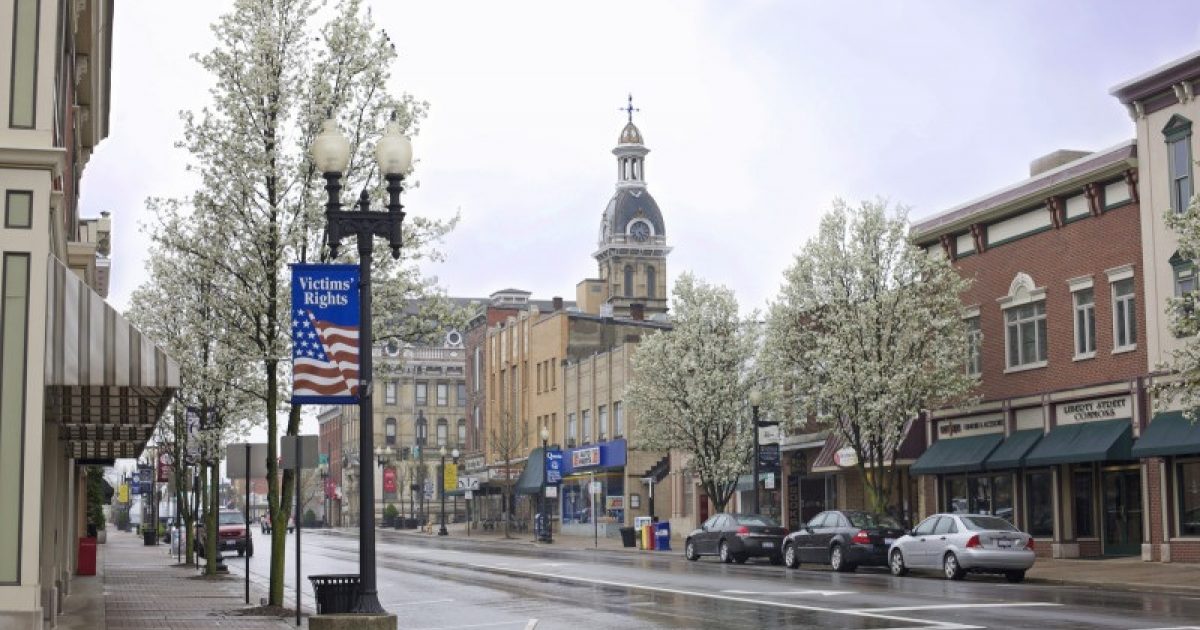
651 282
628 280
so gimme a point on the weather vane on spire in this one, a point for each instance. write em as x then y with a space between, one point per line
629 109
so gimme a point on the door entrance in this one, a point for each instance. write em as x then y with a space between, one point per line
1122 512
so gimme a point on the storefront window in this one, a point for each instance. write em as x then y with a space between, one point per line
1189 498
1039 488
577 504
1084 515
956 495
980 494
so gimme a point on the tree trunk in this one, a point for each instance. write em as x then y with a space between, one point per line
274 510
210 521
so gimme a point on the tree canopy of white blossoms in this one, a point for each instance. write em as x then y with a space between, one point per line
1182 387
867 332
259 201
690 386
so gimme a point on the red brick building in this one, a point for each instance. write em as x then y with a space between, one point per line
1055 311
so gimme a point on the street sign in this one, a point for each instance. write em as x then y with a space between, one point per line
323 459
551 492
768 457
468 483
235 461
768 435
450 477
308 451
469 495
554 462
428 489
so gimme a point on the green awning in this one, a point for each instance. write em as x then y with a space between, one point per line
530 481
956 455
1103 440
1169 434
1011 454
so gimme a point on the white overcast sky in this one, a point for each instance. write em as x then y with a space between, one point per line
757 114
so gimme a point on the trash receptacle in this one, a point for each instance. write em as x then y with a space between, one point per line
335 593
541 527
648 537
662 535
627 537
87 557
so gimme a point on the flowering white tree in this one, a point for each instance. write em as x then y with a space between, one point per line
1184 363
259 201
867 332
690 386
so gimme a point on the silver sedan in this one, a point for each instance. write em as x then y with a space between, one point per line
962 543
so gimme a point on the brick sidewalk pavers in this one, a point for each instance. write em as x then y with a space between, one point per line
145 590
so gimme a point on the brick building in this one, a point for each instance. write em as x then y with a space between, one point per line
1058 342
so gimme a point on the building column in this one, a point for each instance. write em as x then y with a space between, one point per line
48 575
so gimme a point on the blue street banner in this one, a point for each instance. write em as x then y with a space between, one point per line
554 467
325 334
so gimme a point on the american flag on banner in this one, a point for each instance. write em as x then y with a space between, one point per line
325 334
324 357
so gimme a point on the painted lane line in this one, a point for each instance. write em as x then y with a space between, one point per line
786 593
939 625
951 606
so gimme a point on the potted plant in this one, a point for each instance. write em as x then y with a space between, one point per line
389 515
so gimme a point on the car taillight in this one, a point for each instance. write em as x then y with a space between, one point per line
973 543
1029 545
861 538
743 531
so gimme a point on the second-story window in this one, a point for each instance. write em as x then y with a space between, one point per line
389 393
1124 316
572 429
618 419
1025 334
602 423
422 397
443 394
1178 133
1085 323
462 431
443 431
389 432
974 346
461 395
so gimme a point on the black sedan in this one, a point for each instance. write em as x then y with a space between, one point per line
845 539
737 537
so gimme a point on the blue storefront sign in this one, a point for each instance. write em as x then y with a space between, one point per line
325 334
554 467
602 455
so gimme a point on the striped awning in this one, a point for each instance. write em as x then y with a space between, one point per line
106 384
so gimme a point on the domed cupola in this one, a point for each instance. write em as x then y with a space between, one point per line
633 236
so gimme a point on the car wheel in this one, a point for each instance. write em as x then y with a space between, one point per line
689 551
951 567
837 560
1016 577
897 564
723 552
790 557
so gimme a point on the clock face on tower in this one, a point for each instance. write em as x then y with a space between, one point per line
639 231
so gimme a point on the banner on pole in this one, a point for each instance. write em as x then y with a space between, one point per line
450 474
325 334
389 480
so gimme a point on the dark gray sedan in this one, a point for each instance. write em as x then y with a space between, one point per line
962 543
737 537
846 539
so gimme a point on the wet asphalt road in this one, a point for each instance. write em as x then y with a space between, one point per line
447 584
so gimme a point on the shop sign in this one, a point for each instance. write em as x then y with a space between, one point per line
976 425
614 502
769 481
584 457
768 435
1097 409
845 457
596 487
551 492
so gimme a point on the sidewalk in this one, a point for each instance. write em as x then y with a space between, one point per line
1131 574
142 587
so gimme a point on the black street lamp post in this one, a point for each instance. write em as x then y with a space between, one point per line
331 155
549 522
755 401
442 531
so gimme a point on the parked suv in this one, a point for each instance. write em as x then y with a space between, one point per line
231 534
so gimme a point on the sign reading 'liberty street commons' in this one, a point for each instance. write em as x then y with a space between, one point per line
325 334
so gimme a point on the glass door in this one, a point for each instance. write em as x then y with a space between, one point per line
1122 512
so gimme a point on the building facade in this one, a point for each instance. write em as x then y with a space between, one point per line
1162 105
78 384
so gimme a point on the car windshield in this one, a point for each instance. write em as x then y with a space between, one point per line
864 519
982 523
230 518
754 519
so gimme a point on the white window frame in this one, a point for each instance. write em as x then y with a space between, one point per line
974 359
1040 347
618 419
572 429
421 393
443 394
1126 304
389 393
1077 285
587 425
602 423
443 431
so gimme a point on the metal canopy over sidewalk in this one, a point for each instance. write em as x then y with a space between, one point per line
957 455
106 384
530 481
1169 434
1102 440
